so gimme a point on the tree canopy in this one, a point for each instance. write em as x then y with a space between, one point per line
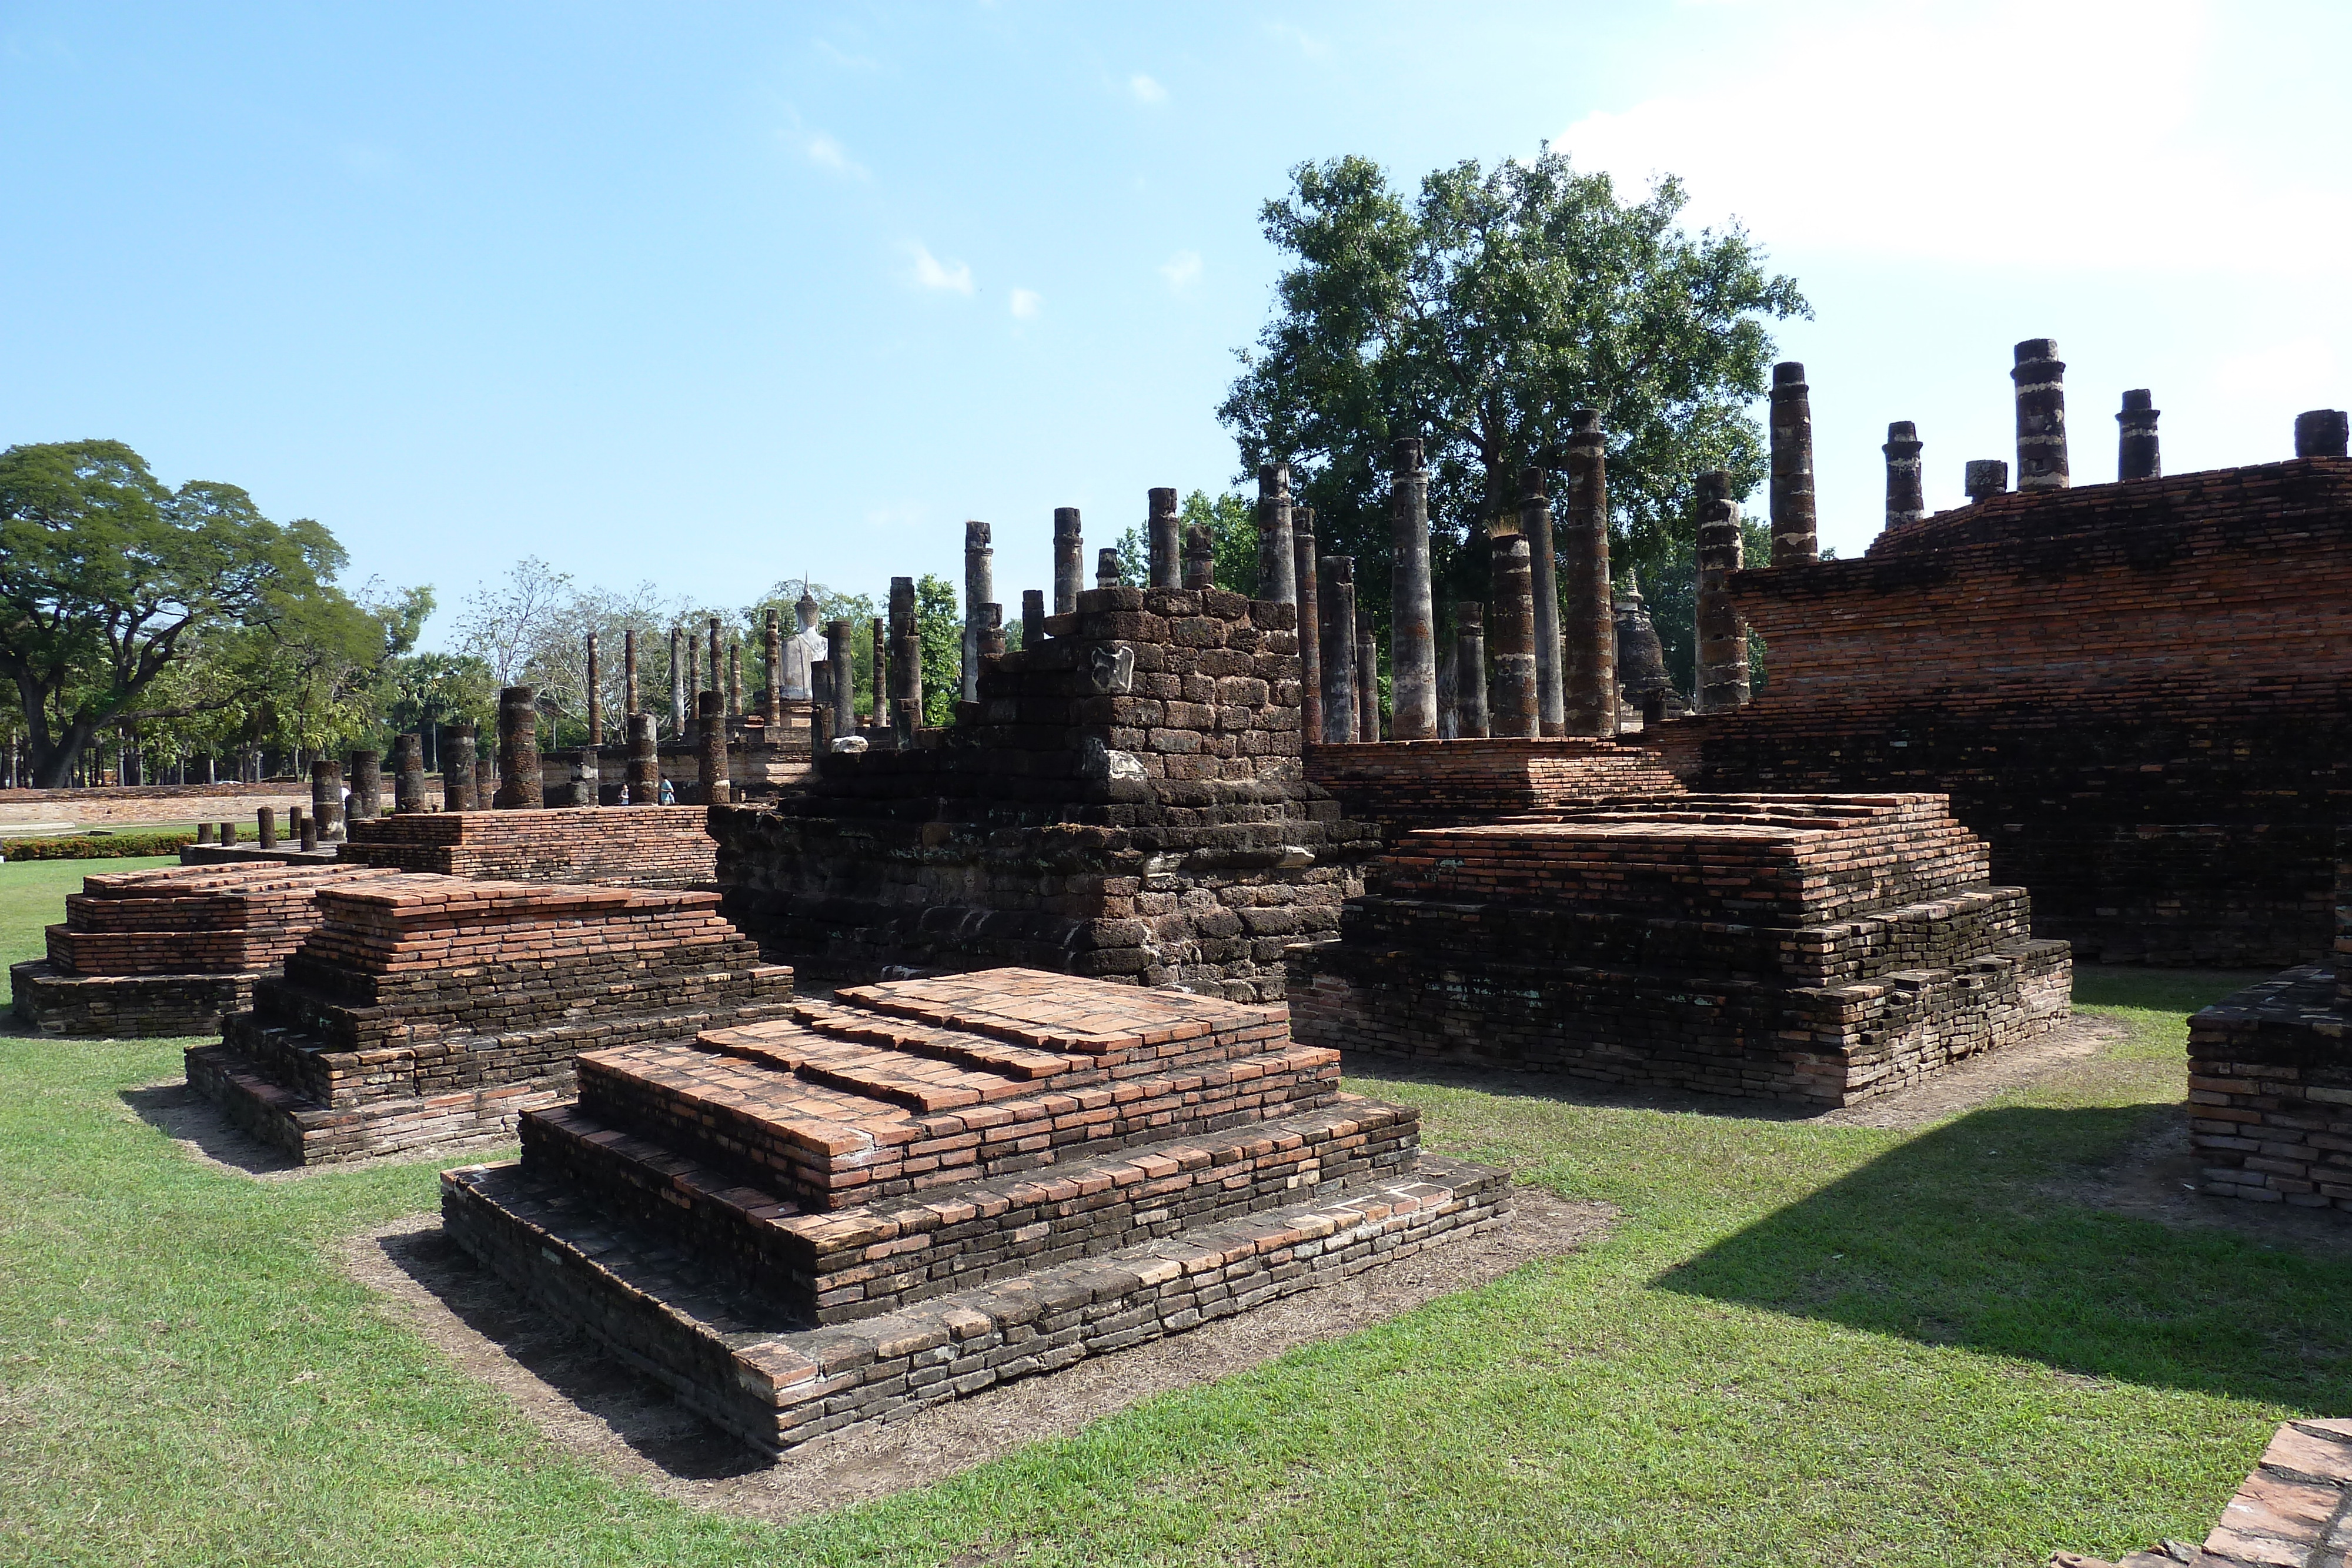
1479 314
110 581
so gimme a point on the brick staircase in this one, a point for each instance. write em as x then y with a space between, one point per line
921 1188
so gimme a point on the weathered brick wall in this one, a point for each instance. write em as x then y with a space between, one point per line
633 846
2270 1079
2140 695
1404 785
1125 801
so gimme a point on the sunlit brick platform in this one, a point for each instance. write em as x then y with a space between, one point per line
923 1188
1815 948
2294 1512
2270 1079
1404 785
429 1009
621 846
169 951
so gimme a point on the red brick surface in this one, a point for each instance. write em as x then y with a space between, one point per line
649 846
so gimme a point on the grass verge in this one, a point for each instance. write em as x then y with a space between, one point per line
1801 1345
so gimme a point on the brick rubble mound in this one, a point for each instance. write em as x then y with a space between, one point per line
1125 801
920 1189
169 951
1824 949
429 1009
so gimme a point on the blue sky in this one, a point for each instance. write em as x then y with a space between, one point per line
712 296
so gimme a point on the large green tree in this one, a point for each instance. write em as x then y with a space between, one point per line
108 579
1477 314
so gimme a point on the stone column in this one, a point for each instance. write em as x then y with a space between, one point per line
407 774
266 820
992 632
629 673
1552 680
678 687
711 750
367 786
486 782
645 762
203 832
772 708
845 678
228 832
693 687
595 695
1515 704
717 667
588 790
1310 641
1335 627
2323 432
1796 539
1033 618
1367 685
1163 533
327 798
2136 457
1588 677
1412 642
305 832
1108 574
979 589
1906 496
1722 632
1278 558
458 745
2040 375
907 658
1069 560
735 677
1470 668
1985 477
1199 557
518 781
881 676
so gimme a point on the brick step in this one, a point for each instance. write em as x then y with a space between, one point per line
305 1131
958 1046
871 1072
736 1358
836 1266
823 1146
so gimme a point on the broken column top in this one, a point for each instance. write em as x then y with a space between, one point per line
2323 432
1789 374
975 535
2137 454
1408 455
2040 375
1531 485
1065 524
1986 476
1584 427
1714 486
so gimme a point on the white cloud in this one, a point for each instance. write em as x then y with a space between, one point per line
827 153
1145 90
1182 270
1313 48
931 272
1027 303
1918 133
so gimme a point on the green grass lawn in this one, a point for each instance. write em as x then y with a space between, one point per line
1801 1345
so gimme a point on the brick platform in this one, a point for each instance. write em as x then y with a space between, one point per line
2270 1079
2294 1512
2139 693
1824 949
169 951
1404 785
923 1188
621 846
1125 801
428 1009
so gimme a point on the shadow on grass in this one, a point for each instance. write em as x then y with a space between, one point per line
186 1117
1953 1238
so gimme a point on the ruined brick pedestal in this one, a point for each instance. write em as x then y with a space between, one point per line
919 1189
1404 785
169 951
1125 801
429 1009
1823 949
638 846
2294 1512
2270 1079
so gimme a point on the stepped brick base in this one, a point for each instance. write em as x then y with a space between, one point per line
1405 785
1814 948
172 950
124 1007
919 1189
426 1010
621 846
2295 1510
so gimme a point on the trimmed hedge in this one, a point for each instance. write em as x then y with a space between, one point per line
106 846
